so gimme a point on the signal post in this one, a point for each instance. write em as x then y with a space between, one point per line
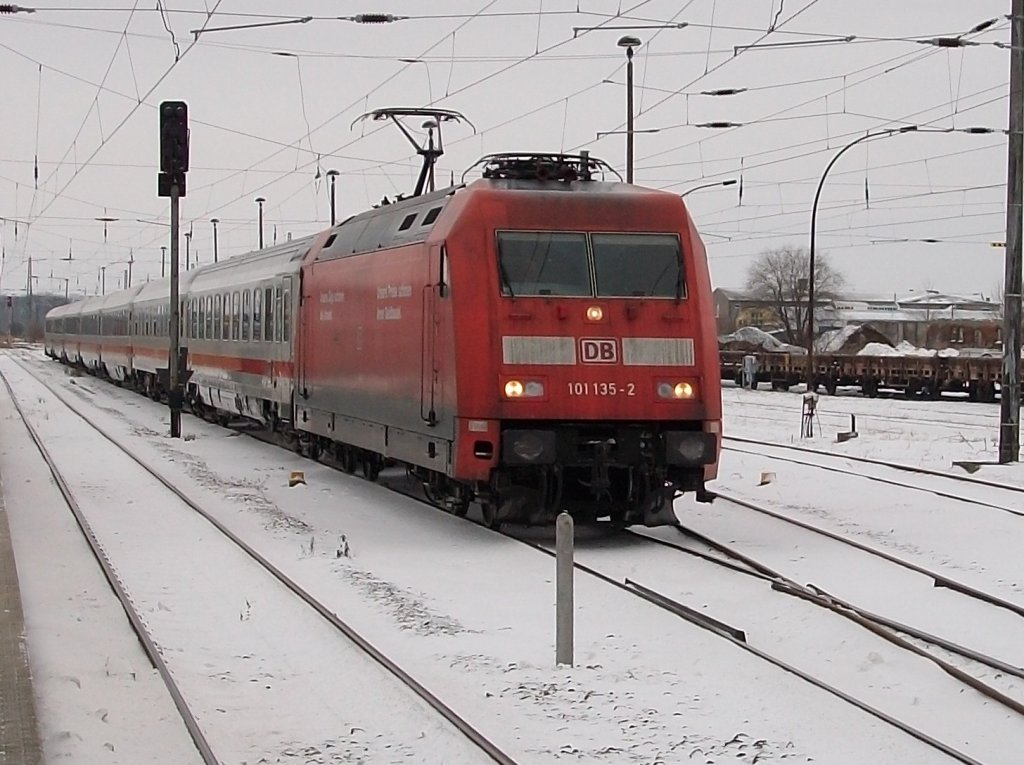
171 183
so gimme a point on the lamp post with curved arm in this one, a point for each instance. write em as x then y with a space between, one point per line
726 182
814 218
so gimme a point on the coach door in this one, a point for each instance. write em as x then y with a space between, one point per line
283 321
432 293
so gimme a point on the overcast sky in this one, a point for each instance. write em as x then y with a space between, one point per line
81 84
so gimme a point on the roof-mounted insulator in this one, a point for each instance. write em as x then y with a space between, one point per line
7 8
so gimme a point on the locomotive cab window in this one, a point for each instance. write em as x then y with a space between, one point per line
638 265
543 263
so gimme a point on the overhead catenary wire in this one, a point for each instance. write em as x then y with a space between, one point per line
562 104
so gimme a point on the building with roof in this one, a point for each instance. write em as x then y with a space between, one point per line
926 319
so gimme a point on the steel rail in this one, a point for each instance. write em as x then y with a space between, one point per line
878 479
825 599
714 627
938 579
883 463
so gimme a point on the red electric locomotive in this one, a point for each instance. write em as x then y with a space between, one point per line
540 339
536 341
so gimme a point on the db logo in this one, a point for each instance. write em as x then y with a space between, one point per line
599 350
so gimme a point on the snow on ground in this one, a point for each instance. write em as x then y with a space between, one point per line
471 612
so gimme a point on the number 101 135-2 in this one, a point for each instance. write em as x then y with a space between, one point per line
601 389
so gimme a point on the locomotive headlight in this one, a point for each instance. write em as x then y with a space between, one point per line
534 389
524 389
677 391
682 390
594 313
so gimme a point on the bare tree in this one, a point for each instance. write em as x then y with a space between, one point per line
779 278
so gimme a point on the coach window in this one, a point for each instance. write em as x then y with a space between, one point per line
216 317
257 313
246 309
202 318
236 315
543 263
268 314
277 313
286 317
210 318
638 265
226 327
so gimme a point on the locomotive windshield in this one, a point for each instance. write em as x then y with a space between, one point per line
543 263
637 265
583 265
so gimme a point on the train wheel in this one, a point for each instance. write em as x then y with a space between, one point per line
371 467
349 459
489 514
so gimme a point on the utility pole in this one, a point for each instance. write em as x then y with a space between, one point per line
163 261
28 291
1009 406
188 248
103 280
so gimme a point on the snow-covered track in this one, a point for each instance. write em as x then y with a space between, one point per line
881 625
738 638
939 580
479 742
892 473
134 618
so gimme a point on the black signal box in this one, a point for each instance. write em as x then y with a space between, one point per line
173 137
164 181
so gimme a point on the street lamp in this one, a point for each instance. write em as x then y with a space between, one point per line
214 221
811 386
260 201
814 217
188 246
727 182
332 176
629 42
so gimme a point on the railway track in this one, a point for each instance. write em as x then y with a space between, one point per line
744 639
1012 497
792 413
737 636
474 740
